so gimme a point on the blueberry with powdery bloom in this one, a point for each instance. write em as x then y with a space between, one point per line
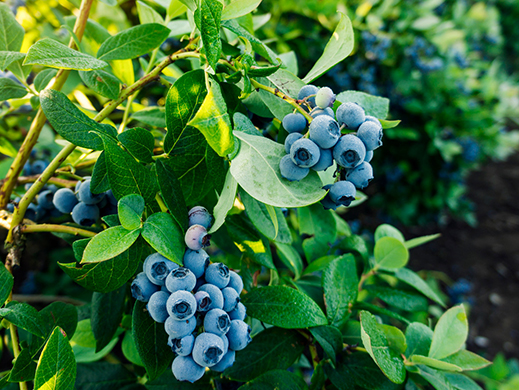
230 298
157 306
142 289
217 274
178 329
199 215
196 261
64 200
157 268
183 346
180 279
239 313
349 152
217 321
186 369
305 153
203 301
290 171
238 335
197 238
215 293
208 349
181 305
235 281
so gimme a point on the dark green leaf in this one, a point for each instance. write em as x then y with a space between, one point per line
357 245
225 202
319 264
6 284
111 220
130 350
450 333
60 314
165 236
172 193
291 258
139 142
11 33
104 83
103 376
390 253
395 338
129 210
320 224
10 89
263 71
379 310
412 279
24 316
100 182
373 105
276 379
24 367
153 116
284 307
418 338
400 299
109 243
107 312
329 338
8 57
208 17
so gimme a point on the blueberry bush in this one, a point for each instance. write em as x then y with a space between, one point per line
202 188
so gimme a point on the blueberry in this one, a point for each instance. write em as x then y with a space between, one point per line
304 153
180 279
203 301
319 111
239 313
86 196
325 161
371 134
157 268
342 193
27 169
306 91
31 212
226 362
85 214
225 342
110 197
64 200
198 215
199 282
183 346
291 171
294 123
230 298
208 349
235 282
324 98
369 155
217 321
197 238
178 329
45 199
142 289
370 118
157 306
38 167
181 305
76 188
196 261
349 151
216 295
10 207
217 274
185 369
361 175
290 139
238 335
351 114
41 213
325 131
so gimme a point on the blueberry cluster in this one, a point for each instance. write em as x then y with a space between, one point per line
198 303
324 143
422 54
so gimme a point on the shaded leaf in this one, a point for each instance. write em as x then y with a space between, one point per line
6 283
106 315
102 82
208 17
24 316
10 89
165 236
172 193
225 202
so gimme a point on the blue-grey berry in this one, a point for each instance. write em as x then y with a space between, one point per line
349 151
45 199
294 123
86 196
342 193
157 306
38 167
324 131
197 237
230 298
361 175
217 274
319 111
203 301
208 349
181 305
225 343
290 139
185 369
183 346
306 91
239 313
196 261
350 114
328 203
157 268
305 153
325 161
142 289
32 213
180 279
226 362
369 156
65 200
217 321
235 281
85 214
373 119
371 134
199 215
215 293
238 335
178 329
324 98
291 171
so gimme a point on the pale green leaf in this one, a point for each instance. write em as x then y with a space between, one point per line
450 333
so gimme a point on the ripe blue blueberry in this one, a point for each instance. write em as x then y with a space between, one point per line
38 167
371 134
351 114
325 161
196 261
183 346
328 203
142 289
85 214
185 369
304 153
198 215
235 282
320 111
324 98
178 329
225 342
361 175
157 306
349 151
10 207
197 238
65 200
324 131
181 305
208 349
157 268
290 139
217 321
27 169
226 362
294 123
306 91
86 196
238 335
203 301
342 193
369 156
180 279
217 274
45 199
110 197
230 298
291 171
32 212
215 293
239 313
373 119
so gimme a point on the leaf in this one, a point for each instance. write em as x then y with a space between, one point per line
153 116
208 17
71 123
329 338
450 333
130 209
340 284
400 299
10 89
133 42
287 83
109 243
238 8
11 32
273 348
43 78
172 193
24 316
319 264
338 48
320 224
434 363
60 314
256 169
8 57
6 284
83 344
467 360
283 307
107 313
377 346
291 258
176 8
411 278
434 377
213 121
318 378
103 376
395 338
225 202
418 338
276 379
390 253
100 182
101 82
462 382
151 341
373 105
147 14
57 367
386 230
51 53
380 310
165 236
420 240
24 367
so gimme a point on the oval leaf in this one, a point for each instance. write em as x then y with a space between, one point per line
165 236
390 253
109 243
450 333
130 209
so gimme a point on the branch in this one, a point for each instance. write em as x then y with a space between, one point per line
47 227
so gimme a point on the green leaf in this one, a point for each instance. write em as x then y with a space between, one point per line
168 382
148 14
43 78
151 341
172 193
71 123
330 339
380 310
418 338
411 278
337 49
284 307
318 379
10 89
130 350
19 70
436 378
60 314
165 236
340 284
376 344
386 230
107 312
390 253
24 367
467 360
434 363
258 46
208 17
176 8
395 338
11 32
225 202
291 258
213 121
57 367
109 243
256 169
24 316
6 284
287 83
400 299
100 182
103 376
450 333
238 8
133 42
276 379
372 105
462 382
153 116
319 223
101 82
273 348
51 53
420 240
83 344
130 209
8 57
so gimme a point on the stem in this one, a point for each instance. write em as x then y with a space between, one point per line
53 180
161 203
315 356
365 277
47 227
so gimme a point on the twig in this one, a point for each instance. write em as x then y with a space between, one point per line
47 227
